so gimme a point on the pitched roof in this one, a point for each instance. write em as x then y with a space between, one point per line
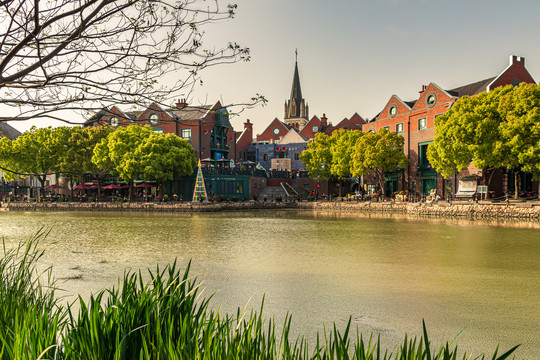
472 89
293 136
192 112
8 131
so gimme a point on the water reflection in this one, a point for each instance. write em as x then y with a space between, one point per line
386 271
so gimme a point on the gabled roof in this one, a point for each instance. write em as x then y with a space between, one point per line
472 89
293 137
192 113
8 131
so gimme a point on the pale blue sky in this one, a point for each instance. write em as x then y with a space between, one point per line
354 54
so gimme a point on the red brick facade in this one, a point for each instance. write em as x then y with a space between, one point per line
415 121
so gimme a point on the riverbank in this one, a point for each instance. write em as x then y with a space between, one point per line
513 210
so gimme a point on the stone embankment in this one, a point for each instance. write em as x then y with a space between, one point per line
135 206
486 210
483 210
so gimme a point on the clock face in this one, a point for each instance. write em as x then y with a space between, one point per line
114 121
153 119
276 131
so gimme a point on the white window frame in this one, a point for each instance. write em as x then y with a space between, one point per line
424 121
186 134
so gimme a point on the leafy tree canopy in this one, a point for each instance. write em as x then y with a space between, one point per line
317 158
342 148
378 152
35 152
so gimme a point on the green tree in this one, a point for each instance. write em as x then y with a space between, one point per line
317 158
469 131
76 158
519 142
342 147
137 152
342 144
376 153
120 152
35 153
164 156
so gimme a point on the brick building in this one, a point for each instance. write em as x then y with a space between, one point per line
206 128
414 120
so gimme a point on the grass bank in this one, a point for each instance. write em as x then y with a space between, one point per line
163 318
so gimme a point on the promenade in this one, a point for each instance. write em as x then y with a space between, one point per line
513 210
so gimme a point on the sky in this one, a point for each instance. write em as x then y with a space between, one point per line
354 54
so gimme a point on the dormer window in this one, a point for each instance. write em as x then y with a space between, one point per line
153 119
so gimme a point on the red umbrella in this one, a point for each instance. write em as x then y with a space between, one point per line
144 185
112 187
81 187
53 187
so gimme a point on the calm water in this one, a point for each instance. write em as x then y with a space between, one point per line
387 273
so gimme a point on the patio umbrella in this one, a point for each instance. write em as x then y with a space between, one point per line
207 160
53 187
144 185
81 187
112 187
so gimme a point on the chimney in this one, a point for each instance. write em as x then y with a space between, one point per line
324 120
248 125
181 104
424 87
517 60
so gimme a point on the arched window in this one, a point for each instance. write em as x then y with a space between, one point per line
265 157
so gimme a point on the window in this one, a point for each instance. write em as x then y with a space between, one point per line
153 119
186 134
386 127
296 156
392 111
431 99
265 157
114 121
158 130
276 131
399 128
315 129
422 123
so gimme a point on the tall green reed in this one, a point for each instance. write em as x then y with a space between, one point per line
165 317
30 317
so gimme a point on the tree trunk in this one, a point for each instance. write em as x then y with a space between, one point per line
380 175
516 184
41 192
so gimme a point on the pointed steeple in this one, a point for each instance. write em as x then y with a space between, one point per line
295 107
296 91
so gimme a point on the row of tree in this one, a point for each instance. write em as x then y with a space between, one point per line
495 129
354 153
134 152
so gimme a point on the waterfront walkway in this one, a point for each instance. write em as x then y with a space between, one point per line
513 210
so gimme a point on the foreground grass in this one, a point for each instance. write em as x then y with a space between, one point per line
163 318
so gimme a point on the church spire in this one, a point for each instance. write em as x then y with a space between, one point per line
295 107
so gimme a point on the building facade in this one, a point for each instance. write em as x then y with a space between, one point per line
415 121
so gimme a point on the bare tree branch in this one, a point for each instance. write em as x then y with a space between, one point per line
85 55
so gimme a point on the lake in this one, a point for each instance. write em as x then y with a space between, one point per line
385 272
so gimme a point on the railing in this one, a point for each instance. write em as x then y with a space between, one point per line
289 190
